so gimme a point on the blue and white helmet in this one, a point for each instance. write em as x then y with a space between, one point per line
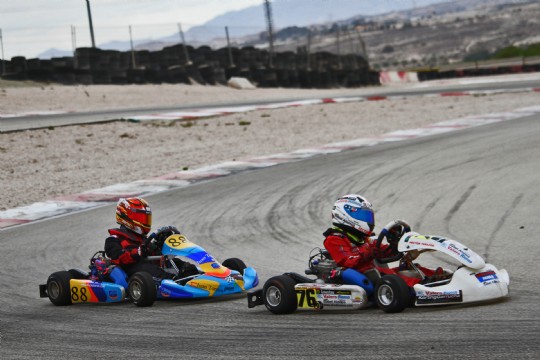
354 211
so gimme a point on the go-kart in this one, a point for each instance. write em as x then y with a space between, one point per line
106 283
335 288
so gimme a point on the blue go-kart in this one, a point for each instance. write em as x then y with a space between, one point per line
106 283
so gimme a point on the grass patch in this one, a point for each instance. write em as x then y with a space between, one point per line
244 123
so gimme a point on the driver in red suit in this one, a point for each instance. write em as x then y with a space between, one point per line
349 243
128 245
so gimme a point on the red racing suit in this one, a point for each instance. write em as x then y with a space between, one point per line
122 246
348 255
360 257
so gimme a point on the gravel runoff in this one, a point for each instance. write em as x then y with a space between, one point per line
38 165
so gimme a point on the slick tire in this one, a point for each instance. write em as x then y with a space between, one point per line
142 289
392 294
58 288
279 295
235 264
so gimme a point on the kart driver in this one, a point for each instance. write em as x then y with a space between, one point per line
127 246
349 243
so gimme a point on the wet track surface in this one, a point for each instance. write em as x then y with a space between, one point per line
479 186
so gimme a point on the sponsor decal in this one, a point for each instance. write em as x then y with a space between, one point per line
204 285
421 243
113 294
487 277
165 292
341 303
439 297
205 259
459 253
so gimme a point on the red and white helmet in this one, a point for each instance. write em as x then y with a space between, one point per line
354 211
135 214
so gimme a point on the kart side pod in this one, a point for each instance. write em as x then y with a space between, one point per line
281 295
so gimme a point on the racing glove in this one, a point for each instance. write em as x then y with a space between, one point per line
163 233
141 251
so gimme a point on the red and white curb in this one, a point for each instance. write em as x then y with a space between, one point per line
110 194
194 114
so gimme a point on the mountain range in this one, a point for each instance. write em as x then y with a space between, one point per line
252 20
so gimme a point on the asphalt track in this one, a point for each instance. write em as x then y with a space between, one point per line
479 186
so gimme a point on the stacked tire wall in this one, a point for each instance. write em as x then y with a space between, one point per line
176 64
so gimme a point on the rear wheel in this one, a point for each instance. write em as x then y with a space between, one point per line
392 294
235 264
279 295
142 289
58 288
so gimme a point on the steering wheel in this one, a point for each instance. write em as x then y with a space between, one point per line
159 237
392 232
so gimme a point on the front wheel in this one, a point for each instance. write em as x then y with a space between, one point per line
58 288
235 264
392 294
279 295
142 289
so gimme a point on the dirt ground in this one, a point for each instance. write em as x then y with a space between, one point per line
37 165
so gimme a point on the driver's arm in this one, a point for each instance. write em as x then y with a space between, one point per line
343 254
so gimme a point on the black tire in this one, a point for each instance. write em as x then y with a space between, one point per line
279 295
58 288
235 264
392 294
142 289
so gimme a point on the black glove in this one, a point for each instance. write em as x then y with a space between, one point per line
164 232
142 252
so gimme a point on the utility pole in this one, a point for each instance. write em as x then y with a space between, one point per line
133 64
308 51
3 59
183 40
268 12
90 22
74 45
231 61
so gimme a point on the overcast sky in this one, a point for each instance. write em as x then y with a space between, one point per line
30 27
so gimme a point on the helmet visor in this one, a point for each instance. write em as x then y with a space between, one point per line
360 214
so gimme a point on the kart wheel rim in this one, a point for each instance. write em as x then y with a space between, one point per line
385 295
135 290
54 290
273 296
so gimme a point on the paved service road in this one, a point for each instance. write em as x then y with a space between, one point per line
479 186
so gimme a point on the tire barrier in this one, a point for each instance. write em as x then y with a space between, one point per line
205 66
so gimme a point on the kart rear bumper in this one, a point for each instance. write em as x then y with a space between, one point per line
255 298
